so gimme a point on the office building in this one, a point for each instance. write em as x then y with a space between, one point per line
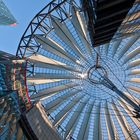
6 18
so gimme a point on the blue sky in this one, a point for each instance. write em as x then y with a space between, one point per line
23 11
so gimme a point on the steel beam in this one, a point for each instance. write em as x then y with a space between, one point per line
133 64
130 96
38 76
19 133
132 54
134 72
78 19
132 16
58 100
128 100
63 32
41 58
134 80
79 24
4 116
50 45
73 101
50 91
130 113
74 117
42 81
3 104
136 89
55 66
106 82
116 46
128 45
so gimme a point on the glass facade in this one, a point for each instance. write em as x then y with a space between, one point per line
12 99
6 18
9 113
13 77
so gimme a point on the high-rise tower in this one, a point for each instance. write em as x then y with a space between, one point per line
6 18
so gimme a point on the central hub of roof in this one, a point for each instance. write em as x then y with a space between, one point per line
96 74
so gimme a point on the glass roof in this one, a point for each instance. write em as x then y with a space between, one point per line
59 53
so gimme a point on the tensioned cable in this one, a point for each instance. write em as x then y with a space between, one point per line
133 133
102 99
100 57
44 42
112 72
92 112
101 89
109 88
117 77
88 81
84 89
